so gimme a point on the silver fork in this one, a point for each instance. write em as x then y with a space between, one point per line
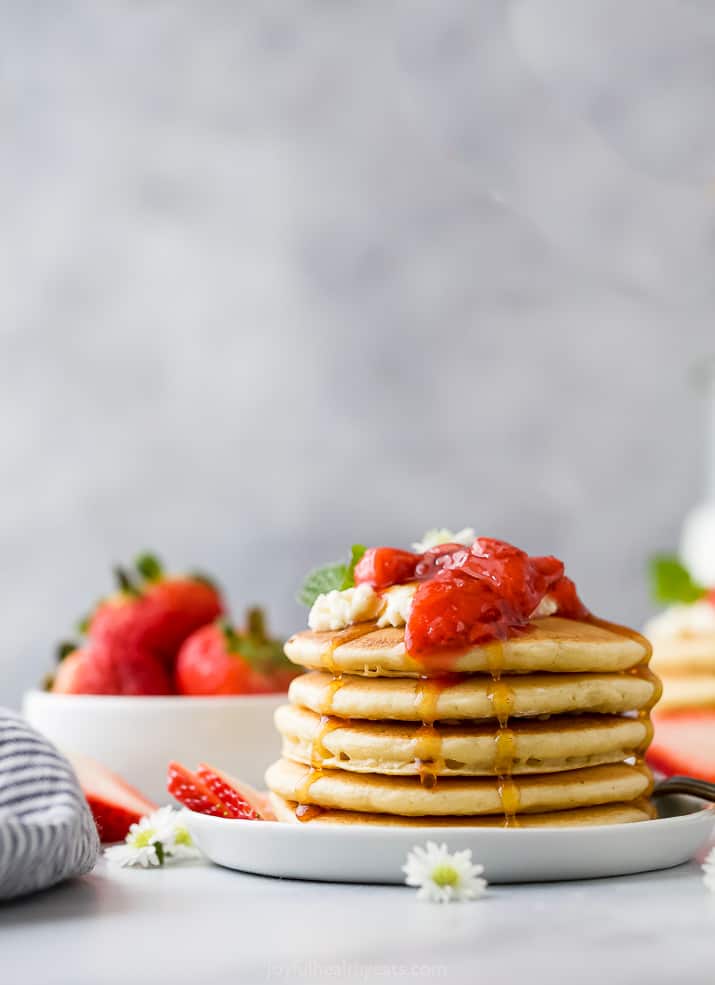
686 785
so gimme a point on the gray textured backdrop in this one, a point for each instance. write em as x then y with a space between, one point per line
276 277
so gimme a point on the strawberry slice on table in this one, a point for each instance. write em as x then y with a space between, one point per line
114 804
191 791
244 798
684 743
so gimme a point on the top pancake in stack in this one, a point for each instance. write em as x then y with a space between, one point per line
545 726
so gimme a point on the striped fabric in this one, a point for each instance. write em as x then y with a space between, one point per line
47 833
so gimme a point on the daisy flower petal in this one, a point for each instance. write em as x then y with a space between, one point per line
442 877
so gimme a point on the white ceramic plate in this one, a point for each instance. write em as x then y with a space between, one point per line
367 854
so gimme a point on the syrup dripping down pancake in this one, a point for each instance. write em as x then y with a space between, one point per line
396 748
472 698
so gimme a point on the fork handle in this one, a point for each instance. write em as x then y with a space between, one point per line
687 785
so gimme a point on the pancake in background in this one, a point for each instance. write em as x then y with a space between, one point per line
695 691
683 655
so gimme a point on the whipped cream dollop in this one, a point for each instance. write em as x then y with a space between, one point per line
696 619
441 535
338 610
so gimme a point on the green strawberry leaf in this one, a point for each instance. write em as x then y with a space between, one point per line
204 579
149 567
64 649
671 581
124 581
331 577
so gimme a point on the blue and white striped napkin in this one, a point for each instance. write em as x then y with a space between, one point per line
47 832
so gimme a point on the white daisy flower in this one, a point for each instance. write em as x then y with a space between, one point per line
182 845
155 838
709 870
443 877
440 535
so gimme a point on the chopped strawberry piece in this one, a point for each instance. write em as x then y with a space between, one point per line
114 804
384 566
192 792
219 784
684 743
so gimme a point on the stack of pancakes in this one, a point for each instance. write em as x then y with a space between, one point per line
548 727
685 660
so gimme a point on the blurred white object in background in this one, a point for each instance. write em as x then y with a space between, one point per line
697 542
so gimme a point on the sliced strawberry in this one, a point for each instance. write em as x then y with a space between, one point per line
114 804
227 792
192 792
684 742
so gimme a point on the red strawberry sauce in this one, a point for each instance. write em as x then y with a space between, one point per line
469 595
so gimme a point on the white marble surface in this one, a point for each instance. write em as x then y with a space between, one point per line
199 923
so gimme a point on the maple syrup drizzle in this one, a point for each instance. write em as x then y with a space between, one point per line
326 705
343 636
501 698
306 812
318 751
428 741
642 670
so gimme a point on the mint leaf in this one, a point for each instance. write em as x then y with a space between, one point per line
330 577
671 581
322 580
356 552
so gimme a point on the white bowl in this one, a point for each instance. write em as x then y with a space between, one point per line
137 737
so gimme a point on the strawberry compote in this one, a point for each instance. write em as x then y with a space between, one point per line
469 595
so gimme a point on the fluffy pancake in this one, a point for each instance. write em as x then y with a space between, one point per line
473 697
551 644
685 654
637 810
396 748
692 691
405 795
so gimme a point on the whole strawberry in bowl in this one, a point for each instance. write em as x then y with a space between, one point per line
222 659
128 693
